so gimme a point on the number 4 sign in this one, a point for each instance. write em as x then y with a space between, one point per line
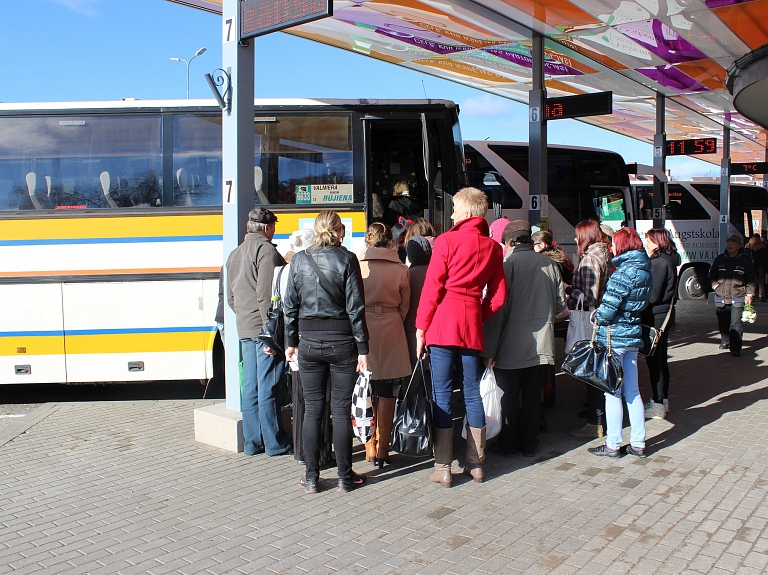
723 219
229 193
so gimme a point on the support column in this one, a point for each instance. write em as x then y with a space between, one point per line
659 161
537 130
220 425
725 188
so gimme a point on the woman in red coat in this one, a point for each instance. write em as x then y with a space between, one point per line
450 319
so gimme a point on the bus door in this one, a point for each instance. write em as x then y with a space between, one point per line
405 147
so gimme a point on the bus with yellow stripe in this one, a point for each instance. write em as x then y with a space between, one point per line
111 218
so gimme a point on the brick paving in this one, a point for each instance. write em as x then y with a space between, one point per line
121 487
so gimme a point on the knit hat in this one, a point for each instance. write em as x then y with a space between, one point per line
734 239
515 230
419 251
607 230
497 228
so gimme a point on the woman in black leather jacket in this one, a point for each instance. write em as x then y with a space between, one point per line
325 320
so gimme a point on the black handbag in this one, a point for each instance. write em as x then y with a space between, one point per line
273 331
595 364
651 336
412 430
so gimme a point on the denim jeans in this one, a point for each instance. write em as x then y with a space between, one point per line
317 361
261 413
614 412
469 369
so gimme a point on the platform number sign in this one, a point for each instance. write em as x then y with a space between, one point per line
229 32
534 202
658 213
723 219
229 192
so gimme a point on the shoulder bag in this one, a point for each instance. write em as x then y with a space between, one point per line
412 430
651 336
273 331
578 324
595 364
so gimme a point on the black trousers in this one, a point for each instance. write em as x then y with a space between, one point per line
520 423
730 325
317 361
325 458
658 367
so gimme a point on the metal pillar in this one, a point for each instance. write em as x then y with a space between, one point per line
659 161
725 187
537 130
237 171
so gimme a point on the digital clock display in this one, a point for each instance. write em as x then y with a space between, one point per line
259 17
579 106
690 147
742 169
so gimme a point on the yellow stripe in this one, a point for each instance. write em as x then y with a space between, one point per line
138 342
287 223
20 346
127 227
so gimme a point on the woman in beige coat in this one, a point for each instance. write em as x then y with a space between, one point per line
387 299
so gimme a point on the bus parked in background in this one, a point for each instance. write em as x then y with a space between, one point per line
581 183
111 218
692 215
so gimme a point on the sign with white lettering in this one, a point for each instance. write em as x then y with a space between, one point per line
325 194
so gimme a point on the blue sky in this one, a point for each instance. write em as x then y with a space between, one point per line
67 50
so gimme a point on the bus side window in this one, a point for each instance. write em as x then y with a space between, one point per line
683 206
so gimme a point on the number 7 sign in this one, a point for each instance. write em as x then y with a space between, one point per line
229 192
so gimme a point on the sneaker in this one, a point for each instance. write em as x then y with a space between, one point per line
636 451
309 486
605 451
655 410
588 430
725 345
347 485
666 405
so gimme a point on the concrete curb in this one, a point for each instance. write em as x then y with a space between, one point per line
34 417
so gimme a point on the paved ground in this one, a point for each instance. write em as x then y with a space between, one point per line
121 487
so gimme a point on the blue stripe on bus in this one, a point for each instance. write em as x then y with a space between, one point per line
70 241
205 328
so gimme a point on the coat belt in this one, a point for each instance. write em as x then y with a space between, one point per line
378 309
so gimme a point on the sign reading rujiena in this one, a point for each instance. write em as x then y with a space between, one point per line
324 194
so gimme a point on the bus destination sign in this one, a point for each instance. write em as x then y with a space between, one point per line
259 17
742 169
597 104
690 147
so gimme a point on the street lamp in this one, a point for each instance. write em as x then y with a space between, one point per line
200 52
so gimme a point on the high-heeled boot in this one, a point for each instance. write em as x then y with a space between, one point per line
371 446
385 416
443 442
475 453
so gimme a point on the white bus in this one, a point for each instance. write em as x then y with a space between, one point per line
692 215
111 218
581 183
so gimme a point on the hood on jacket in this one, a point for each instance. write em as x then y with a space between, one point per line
473 223
371 253
599 249
637 258
419 251
554 253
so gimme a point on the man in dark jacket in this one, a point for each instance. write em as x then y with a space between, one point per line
734 285
249 271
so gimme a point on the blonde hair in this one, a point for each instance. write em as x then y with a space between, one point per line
400 188
327 228
378 235
419 227
471 200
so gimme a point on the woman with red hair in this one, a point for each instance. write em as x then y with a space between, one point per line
618 321
589 282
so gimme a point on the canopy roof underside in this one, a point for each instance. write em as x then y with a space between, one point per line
635 48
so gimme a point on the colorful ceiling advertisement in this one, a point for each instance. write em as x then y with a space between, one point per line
680 48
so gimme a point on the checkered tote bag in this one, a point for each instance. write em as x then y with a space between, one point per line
362 409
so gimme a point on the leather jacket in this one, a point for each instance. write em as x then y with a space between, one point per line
309 307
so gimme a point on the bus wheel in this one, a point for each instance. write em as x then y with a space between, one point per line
693 284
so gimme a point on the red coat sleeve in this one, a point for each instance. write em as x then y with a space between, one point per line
496 294
434 285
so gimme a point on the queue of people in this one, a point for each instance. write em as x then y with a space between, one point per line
474 298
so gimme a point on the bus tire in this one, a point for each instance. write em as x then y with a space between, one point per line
693 283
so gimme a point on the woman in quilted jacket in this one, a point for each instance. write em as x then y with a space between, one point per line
618 319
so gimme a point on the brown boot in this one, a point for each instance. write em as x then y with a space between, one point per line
384 420
371 446
475 453
443 456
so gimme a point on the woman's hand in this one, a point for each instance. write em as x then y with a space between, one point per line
290 354
362 363
421 342
489 362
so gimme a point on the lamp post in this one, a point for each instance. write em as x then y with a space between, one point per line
200 52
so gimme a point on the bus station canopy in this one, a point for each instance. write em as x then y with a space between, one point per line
634 48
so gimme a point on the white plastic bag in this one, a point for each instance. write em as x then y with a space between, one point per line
362 408
491 395
579 325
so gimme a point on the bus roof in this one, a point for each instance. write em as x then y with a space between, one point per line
549 146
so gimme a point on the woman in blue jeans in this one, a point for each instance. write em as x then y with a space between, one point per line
325 319
626 295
